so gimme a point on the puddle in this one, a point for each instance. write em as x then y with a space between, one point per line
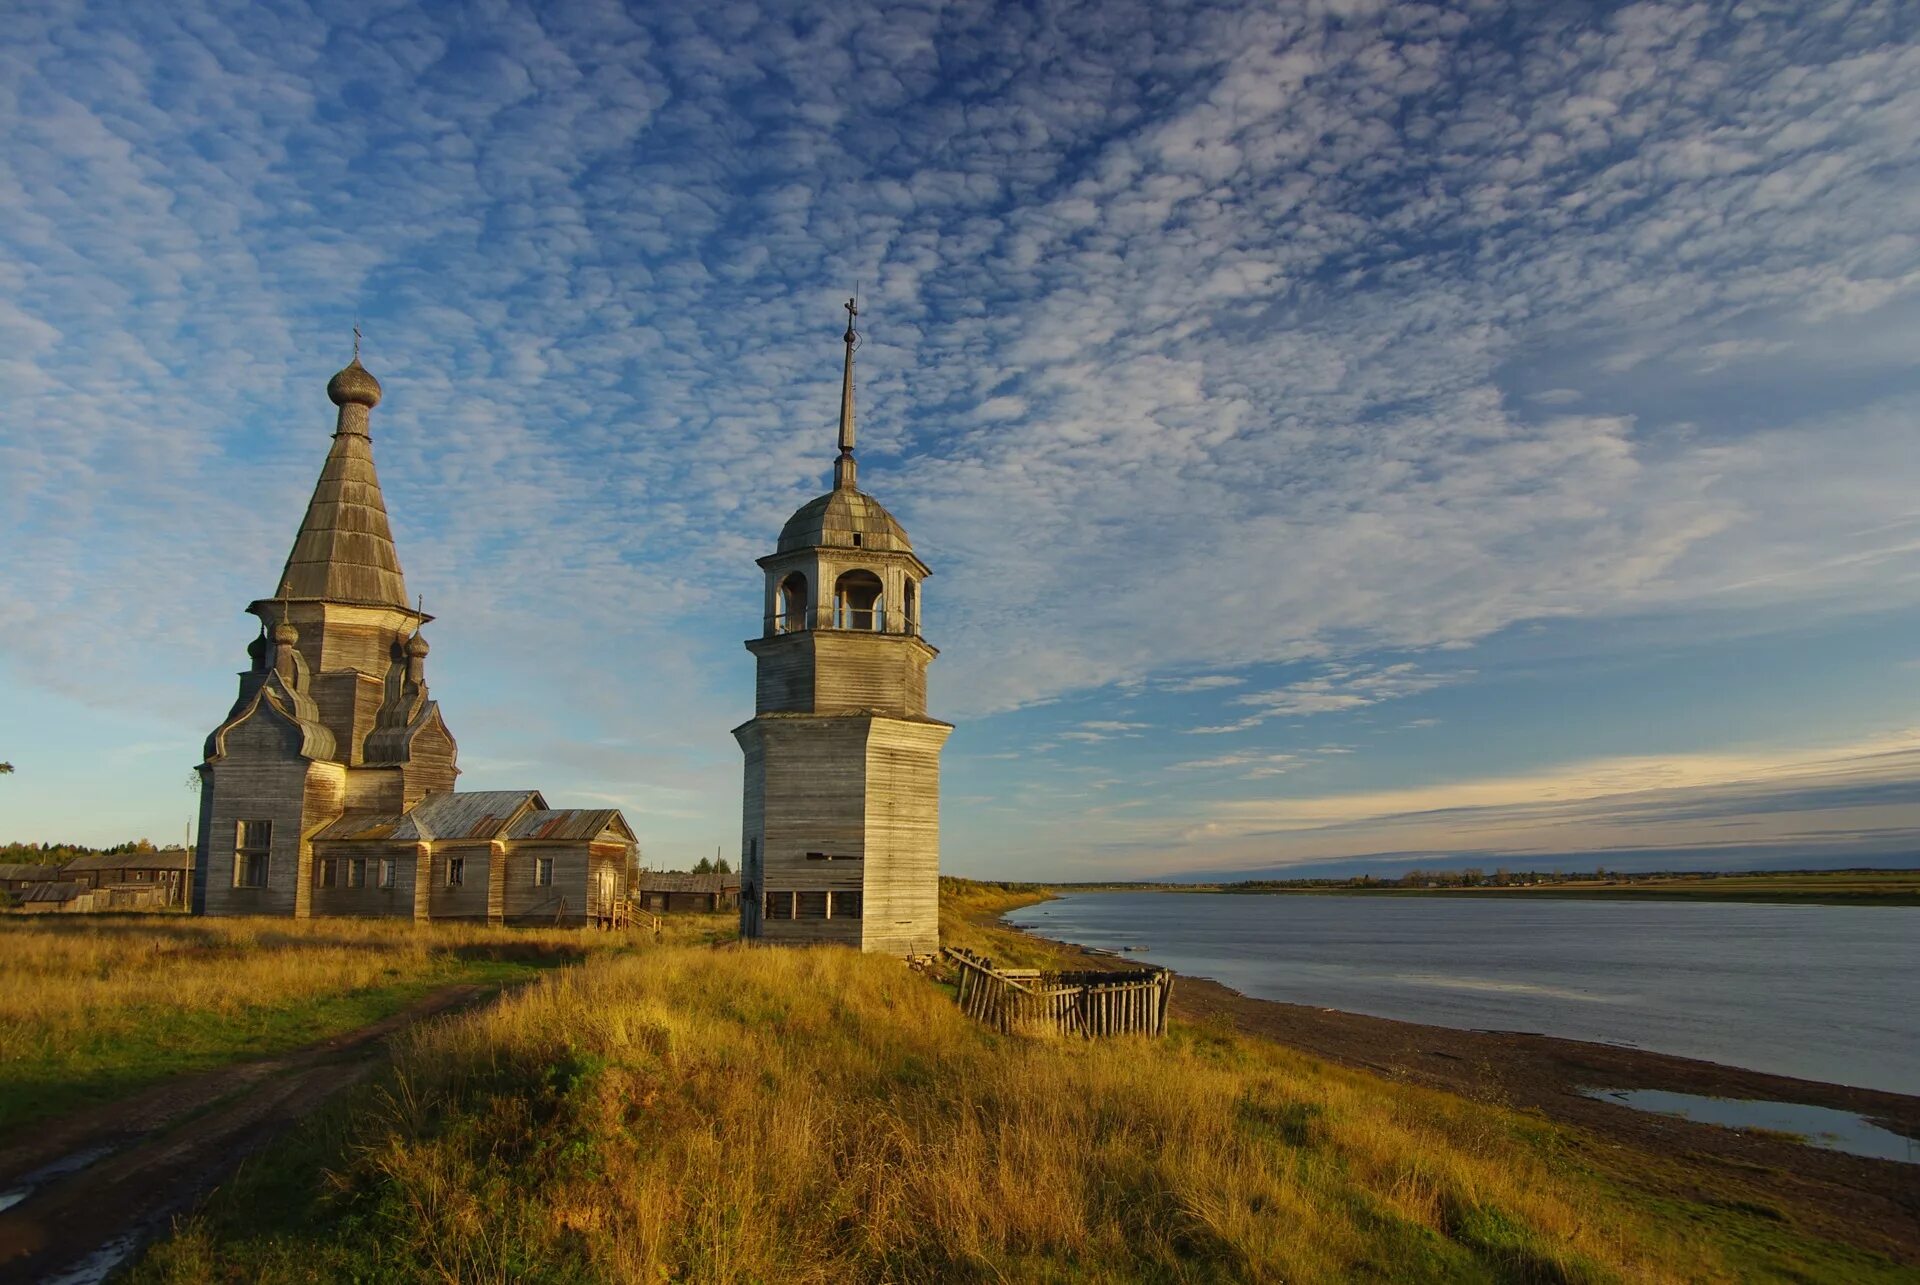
73 1162
1816 1126
98 1265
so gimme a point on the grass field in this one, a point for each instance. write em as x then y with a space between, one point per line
700 1114
93 1008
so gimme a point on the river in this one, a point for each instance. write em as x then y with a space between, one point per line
1821 992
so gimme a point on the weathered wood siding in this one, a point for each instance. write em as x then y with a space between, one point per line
856 671
469 900
375 789
811 787
576 863
902 887
784 678
264 778
430 766
370 901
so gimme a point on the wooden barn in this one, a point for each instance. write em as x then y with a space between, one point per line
52 897
328 788
135 880
840 838
671 892
18 877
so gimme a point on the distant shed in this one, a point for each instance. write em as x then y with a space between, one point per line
52 898
679 892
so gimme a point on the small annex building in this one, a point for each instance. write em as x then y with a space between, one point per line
328 789
497 855
677 892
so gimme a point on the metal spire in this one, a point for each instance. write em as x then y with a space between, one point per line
843 467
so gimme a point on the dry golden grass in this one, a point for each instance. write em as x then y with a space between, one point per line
819 1115
93 1007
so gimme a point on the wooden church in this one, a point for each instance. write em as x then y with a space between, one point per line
841 816
328 788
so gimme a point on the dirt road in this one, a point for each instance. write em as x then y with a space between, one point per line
80 1197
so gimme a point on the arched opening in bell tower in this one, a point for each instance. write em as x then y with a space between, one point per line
857 602
791 612
910 608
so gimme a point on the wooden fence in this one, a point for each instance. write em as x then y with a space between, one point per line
1025 1001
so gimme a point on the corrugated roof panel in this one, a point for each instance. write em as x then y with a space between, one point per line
54 892
564 823
472 814
28 870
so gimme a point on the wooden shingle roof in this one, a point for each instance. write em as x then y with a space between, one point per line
344 552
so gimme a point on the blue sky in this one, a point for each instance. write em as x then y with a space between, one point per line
1343 433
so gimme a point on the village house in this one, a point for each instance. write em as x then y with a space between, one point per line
17 877
329 787
134 880
841 810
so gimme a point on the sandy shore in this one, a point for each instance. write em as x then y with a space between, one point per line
1874 1204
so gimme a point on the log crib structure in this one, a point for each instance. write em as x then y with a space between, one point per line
1025 1001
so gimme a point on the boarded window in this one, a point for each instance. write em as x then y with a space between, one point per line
543 872
456 871
386 872
253 841
357 873
846 905
780 905
327 872
810 905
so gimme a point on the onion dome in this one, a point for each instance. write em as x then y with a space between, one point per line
354 385
417 646
257 650
285 635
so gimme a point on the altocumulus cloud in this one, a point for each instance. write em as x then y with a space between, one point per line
1255 334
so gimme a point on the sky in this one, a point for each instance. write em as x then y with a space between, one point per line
1347 436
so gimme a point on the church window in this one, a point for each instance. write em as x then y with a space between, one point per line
810 905
456 871
543 872
327 872
253 841
791 606
386 872
845 905
780 905
357 873
856 539
910 618
857 602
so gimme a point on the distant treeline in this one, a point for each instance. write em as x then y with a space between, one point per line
58 854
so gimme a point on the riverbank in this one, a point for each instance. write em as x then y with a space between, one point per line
1775 1187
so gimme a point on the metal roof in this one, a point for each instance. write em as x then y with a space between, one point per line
54 892
165 859
455 814
682 881
569 823
28 870
837 517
